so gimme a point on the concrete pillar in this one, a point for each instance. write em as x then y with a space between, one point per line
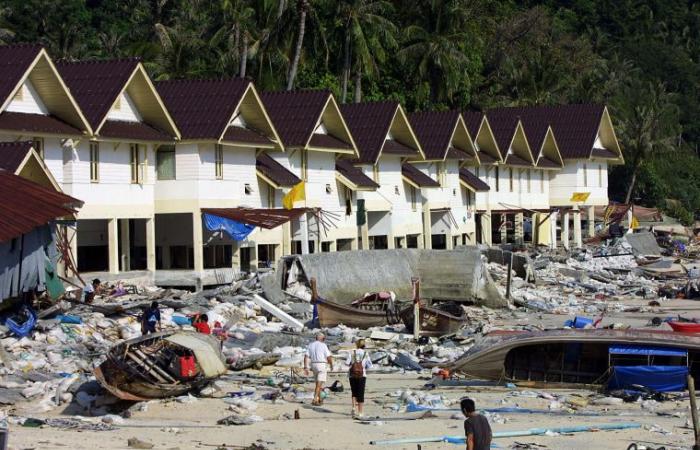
304 227
630 218
253 259
449 244
165 254
553 229
124 244
427 227
113 244
504 228
390 244
364 234
333 247
486 228
519 227
287 239
420 241
565 230
353 244
151 244
197 242
578 239
591 220
236 258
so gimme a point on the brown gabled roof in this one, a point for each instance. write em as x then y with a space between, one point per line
139 131
202 108
471 180
275 172
416 177
295 113
369 124
36 123
603 153
95 85
515 160
328 141
546 163
12 154
354 174
27 205
245 136
434 130
485 158
503 126
14 62
473 119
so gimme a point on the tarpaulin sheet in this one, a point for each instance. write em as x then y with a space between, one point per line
238 231
205 349
645 351
659 378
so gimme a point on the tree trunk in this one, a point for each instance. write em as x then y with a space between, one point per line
303 6
358 84
236 42
346 66
244 55
281 6
630 188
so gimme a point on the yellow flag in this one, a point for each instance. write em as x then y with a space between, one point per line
298 192
580 196
635 223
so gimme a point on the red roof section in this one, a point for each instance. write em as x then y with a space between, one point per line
13 153
133 130
14 62
369 124
36 123
275 171
295 113
434 131
27 205
354 174
472 180
202 108
95 85
417 177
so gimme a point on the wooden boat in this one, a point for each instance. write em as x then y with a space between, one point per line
161 365
685 327
436 320
370 311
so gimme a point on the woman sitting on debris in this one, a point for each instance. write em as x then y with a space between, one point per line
359 362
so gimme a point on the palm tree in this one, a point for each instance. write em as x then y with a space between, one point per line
368 34
303 8
238 15
648 122
436 50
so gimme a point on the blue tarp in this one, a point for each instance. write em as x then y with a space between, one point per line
659 378
238 231
645 351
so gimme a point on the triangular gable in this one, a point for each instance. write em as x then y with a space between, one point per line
486 143
462 140
250 113
146 101
124 109
519 147
333 122
49 87
606 135
549 152
34 168
400 130
26 100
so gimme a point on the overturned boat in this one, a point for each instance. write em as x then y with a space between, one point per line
161 365
436 320
576 356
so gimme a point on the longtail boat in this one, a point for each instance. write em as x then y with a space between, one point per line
435 320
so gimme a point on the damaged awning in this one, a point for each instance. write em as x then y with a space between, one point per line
416 178
260 217
471 181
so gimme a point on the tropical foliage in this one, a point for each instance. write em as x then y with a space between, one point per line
638 56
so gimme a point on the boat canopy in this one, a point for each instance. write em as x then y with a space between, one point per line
205 349
646 351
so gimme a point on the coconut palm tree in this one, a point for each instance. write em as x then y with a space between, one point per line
367 36
238 15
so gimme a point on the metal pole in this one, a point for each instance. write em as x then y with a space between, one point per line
509 276
694 411
416 308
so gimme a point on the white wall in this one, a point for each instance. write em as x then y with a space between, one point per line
29 103
124 110
534 195
572 179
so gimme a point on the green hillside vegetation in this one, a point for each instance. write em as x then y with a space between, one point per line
638 56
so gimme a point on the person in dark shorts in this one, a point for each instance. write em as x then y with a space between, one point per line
476 428
359 362
150 320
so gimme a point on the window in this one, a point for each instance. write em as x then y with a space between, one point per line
467 198
600 175
542 181
38 144
165 162
510 179
134 161
414 199
304 165
529 179
498 181
94 162
219 161
247 189
375 173
585 175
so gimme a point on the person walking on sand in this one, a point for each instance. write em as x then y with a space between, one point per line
476 428
359 362
318 354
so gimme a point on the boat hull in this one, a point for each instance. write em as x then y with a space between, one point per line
331 314
685 327
433 322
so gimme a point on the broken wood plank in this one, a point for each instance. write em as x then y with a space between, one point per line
144 366
155 366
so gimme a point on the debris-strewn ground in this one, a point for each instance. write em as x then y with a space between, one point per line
52 400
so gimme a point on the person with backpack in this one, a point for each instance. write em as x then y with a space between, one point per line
359 362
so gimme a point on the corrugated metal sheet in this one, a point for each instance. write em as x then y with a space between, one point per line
36 123
275 171
27 205
133 130
12 154
201 108
14 62
259 217
95 85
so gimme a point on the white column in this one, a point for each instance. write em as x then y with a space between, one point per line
629 221
565 230
578 239
519 227
113 244
486 228
504 228
364 234
427 226
304 227
197 242
124 245
287 239
553 230
151 244
591 221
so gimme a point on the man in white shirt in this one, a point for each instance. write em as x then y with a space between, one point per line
318 354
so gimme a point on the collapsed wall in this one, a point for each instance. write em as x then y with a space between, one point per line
459 275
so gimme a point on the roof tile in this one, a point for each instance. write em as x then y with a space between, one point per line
295 113
369 124
275 171
13 153
36 123
420 179
328 141
354 174
245 136
14 62
472 180
133 130
473 119
434 130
